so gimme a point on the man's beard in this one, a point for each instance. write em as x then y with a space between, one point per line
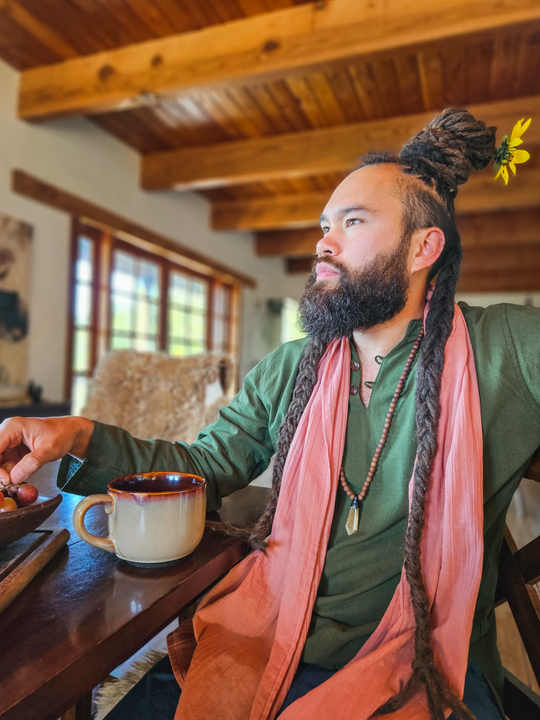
360 300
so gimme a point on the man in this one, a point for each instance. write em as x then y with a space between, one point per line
322 623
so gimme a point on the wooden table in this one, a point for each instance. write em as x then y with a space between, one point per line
87 612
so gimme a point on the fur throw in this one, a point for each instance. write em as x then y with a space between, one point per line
112 691
154 395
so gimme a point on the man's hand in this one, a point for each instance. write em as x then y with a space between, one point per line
28 443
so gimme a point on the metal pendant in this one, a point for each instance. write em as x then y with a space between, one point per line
353 518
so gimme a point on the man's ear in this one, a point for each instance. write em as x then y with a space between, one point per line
426 248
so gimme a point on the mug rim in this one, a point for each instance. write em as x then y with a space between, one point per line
199 485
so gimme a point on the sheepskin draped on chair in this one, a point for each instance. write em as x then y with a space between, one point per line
159 396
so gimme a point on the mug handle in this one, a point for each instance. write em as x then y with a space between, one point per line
104 543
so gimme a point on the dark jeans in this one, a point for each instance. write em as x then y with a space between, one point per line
156 695
477 697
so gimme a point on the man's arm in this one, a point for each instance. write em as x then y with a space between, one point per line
32 442
229 454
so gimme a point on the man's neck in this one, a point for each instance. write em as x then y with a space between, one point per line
379 340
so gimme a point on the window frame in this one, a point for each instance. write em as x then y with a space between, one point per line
95 283
137 252
105 243
209 294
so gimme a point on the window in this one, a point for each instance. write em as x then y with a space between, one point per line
290 329
187 314
125 297
135 302
83 318
221 316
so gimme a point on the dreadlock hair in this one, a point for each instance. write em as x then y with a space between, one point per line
433 163
439 158
305 382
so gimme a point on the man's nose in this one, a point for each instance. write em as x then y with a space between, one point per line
327 245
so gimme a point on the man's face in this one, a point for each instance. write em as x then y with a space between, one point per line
362 276
362 220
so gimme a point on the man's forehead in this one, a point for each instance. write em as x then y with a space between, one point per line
338 211
366 189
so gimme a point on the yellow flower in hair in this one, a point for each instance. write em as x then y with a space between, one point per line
507 153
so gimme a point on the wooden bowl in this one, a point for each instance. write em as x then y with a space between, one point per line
17 523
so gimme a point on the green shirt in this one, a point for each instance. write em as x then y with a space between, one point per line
361 571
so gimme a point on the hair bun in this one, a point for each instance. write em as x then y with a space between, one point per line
448 148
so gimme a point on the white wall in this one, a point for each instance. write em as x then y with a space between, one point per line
79 157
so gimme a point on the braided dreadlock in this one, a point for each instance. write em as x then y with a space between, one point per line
434 163
441 156
305 382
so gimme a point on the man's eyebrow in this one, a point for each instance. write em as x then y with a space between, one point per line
347 210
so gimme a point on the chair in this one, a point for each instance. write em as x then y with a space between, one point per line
519 570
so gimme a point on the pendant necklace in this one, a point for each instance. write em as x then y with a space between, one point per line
353 518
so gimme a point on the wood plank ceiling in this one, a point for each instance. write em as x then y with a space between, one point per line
263 105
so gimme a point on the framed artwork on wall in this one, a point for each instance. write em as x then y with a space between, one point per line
15 268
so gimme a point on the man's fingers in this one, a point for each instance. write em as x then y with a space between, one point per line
4 476
10 434
26 467
44 439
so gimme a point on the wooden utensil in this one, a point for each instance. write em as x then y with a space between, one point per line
21 571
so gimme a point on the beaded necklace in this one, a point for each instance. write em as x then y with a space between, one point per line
353 518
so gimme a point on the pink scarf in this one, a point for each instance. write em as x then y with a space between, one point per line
251 628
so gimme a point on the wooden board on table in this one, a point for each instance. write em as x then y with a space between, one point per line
21 561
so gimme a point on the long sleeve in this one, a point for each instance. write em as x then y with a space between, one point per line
229 454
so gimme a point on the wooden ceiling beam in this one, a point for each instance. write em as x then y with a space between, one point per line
250 49
507 258
480 195
510 258
282 211
289 243
522 279
299 265
484 232
500 281
312 152
487 230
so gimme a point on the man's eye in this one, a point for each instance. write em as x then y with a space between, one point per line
325 229
352 221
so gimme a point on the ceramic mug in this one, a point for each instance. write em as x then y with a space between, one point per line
154 518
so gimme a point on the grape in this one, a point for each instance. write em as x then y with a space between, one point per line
8 505
26 494
23 495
